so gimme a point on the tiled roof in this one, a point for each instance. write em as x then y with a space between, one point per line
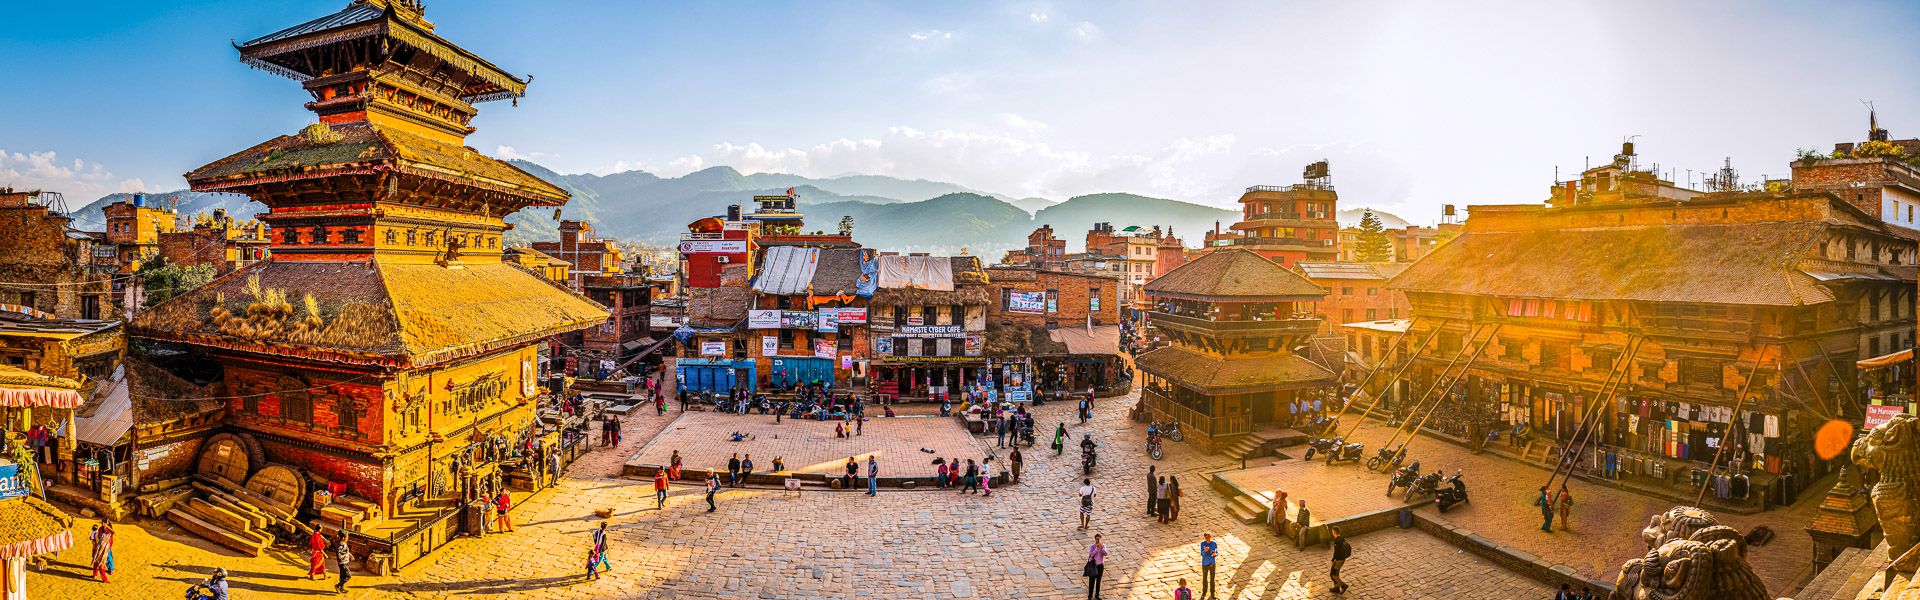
1234 274
356 312
1218 375
1748 263
353 15
1352 270
323 150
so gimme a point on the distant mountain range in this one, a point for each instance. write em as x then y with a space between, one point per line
888 213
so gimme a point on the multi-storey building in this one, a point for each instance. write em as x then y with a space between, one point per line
1234 320
49 268
1408 243
216 240
928 319
1879 176
1066 326
1356 291
1043 251
625 335
384 348
1288 224
134 228
1136 249
588 254
809 319
1677 326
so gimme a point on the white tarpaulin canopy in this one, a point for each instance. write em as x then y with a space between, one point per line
916 272
786 271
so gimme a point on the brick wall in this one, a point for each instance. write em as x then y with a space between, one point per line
1073 298
1340 307
363 476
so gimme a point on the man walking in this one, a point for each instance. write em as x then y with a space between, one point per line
1086 502
873 476
1564 504
713 486
660 489
1096 567
1545 501
1340 553
1000 427
1209 549
343 556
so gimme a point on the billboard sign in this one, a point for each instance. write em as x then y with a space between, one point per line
713 246
713 348
849 316
824 349
829 321
1033 303
1879 415
763 319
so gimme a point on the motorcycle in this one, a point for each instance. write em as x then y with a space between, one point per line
1455 494
1424 486
199 591
1320 426
1387 459
1318 446
1153 447
1170 430
1344 452
1403 477
1087 457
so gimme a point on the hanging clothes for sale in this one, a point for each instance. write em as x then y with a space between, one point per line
1772 426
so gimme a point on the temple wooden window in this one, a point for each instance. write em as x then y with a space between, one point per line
319 235
413 237
296 405
347 416
90 306
390 237
429 238
1700 371
289 236
1513 348
1554 355
27 299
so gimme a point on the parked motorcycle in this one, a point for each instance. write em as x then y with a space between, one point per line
1318 446
1345 452
1387 459
1403 477
1171 430
1454 494
1153 447
1423 486
1321 426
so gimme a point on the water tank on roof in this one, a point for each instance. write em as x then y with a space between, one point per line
139 199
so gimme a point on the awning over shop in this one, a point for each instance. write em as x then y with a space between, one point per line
31 527
1886 360
1100 339
23 388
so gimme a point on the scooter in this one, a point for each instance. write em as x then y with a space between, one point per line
1086 461
1403 477
199 592
1424 486
1345 452
1447 497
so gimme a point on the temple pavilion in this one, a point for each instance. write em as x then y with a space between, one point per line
1239 327
384 353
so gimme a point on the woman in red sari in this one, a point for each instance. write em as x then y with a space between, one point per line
318 562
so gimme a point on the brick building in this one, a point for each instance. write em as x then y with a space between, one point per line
134 228
48 266
1356 291
1068 326
1287 224
810 315
624 336
1733 319
1135 249
928 319
1885 184
1373 344
216 240
1043 251
1409 243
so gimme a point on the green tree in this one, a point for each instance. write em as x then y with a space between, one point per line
161 280
1373 244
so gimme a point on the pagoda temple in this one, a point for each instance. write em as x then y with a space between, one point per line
384 352
1239 359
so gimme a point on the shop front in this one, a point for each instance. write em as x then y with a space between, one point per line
716 375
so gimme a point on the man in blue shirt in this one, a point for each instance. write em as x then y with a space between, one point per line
1208 550
873 476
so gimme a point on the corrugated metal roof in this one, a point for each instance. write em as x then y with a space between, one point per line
786 270
111 419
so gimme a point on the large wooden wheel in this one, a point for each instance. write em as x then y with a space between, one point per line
233 457
283 483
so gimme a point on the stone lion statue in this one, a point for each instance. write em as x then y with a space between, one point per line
1893 450
1707 563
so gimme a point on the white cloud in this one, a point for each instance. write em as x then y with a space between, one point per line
80 180
1084 30
1038 17
511 153
931 35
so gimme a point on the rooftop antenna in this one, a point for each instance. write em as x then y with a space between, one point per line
1727 179
1874 132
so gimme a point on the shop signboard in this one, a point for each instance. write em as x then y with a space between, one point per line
829 320
798 319
1033 303
713 348
973 346
1879 415
930 331
849 316
713 246
769 345
12 485
763 319
824 349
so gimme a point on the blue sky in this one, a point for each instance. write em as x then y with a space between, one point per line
1416 103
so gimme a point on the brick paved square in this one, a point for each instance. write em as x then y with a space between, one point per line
1364 492
809 446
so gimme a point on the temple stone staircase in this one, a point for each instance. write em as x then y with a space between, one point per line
1246 510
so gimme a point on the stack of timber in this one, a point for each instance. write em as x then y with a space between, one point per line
346 513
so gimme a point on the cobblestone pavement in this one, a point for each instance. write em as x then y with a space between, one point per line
810 446
1605 521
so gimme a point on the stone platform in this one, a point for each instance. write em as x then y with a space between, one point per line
809 447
